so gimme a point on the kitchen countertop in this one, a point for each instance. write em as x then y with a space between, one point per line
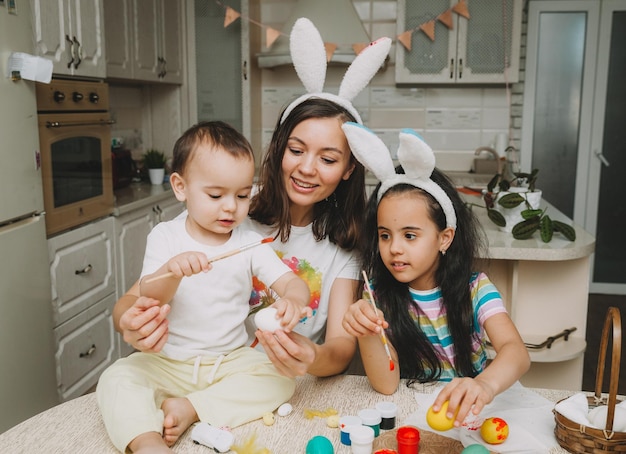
139 195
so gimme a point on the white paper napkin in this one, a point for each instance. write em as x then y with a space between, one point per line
529 416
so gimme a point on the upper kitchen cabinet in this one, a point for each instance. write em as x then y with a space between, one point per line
145 38
474 50
71 34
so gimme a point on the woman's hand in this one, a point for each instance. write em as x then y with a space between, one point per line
466 394
291 353
144 325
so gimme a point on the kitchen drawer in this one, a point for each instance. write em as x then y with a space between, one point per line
85 346
82 268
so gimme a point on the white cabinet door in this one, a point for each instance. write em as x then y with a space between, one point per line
477 50
70 33
118 38
170 46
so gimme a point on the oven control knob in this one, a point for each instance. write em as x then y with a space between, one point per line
94 97
77 96
59 96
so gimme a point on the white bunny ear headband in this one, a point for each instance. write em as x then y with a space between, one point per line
309 58
415 156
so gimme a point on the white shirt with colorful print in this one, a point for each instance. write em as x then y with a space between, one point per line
432 320
318 263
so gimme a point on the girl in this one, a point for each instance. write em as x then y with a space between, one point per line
422 242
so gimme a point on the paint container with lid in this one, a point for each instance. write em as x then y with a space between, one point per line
345 423
408 438
388 412
370 417
362 439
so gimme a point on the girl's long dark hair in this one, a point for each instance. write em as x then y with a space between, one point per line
417 357
340 217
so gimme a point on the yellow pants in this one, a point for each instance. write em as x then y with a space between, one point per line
230 391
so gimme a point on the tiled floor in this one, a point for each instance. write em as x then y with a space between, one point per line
598 305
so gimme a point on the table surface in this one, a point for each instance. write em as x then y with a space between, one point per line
76 426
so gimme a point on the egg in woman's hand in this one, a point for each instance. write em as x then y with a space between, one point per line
266 320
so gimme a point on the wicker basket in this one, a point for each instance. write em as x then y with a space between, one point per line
578 438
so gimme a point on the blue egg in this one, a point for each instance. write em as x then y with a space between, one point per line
475 449
319 445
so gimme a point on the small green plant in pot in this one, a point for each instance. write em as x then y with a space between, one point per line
518 195
154 159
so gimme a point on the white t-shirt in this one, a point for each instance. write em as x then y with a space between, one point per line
209 309
318 263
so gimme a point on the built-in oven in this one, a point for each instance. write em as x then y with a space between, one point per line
75 146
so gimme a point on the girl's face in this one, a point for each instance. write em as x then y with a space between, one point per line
216 188
409 241
316 159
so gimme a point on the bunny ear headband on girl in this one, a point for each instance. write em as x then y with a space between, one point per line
415 156
309 58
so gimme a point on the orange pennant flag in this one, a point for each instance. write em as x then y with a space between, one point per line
446 19
358 47
330 50
231 16
461 9
405 39
271 34
429 29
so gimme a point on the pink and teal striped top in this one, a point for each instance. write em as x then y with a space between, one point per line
431 319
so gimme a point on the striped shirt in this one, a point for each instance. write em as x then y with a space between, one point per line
431 319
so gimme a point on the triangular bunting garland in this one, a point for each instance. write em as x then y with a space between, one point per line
429 29
405 39
271 34
231 16
330 50
446 19
358 47
461 9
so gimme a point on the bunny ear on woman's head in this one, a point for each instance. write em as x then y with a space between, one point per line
309 59
369 150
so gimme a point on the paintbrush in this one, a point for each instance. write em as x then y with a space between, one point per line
217 257
383 337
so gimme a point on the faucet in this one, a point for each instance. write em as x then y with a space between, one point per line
494 153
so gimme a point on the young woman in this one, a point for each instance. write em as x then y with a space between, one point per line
436 311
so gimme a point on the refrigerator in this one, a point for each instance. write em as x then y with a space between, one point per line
27 361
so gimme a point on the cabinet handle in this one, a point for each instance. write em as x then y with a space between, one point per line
79 52
69 40
602 158
460 68
245 70
452 68
162 67
85 270
89 352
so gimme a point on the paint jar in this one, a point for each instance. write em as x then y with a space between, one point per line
388 412
408 438
362 439
370 417
345 422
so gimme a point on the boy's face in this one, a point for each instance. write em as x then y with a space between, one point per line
216 188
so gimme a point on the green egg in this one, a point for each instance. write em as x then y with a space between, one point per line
475 449
319 445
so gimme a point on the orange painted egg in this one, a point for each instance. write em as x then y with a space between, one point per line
494 430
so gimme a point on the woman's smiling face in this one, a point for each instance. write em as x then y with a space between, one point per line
317 158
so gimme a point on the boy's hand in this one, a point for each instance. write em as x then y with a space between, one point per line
290 313
188 264
360 320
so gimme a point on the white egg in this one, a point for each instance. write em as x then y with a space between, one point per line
266 320
285 409
597 417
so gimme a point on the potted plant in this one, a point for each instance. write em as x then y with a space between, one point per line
154 161
513 204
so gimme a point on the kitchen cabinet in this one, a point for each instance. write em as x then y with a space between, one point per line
482 49
145 38
231 90
131 230
82 270
70 33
